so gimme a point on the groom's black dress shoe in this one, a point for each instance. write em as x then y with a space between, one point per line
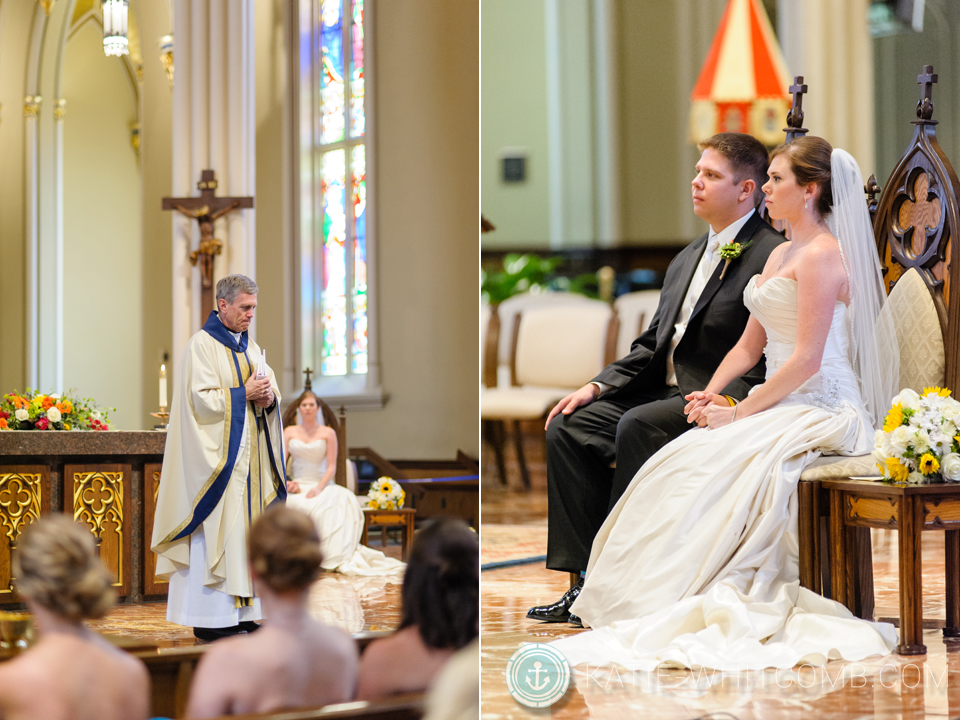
575 621
560 610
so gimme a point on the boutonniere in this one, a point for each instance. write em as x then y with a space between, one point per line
730 252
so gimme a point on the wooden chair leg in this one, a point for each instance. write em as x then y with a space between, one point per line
807 524
862 569
951 633
496 433
518 440
574 579
838 551
911 595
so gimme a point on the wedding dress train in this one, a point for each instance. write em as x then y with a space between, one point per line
337 515
697 564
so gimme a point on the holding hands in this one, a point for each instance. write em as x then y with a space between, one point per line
258 391
708 409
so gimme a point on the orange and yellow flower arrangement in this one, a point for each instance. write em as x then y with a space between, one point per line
33 410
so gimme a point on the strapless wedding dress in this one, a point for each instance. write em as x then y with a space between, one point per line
697 564
337 514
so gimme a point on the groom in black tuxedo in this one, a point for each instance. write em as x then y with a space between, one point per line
635 405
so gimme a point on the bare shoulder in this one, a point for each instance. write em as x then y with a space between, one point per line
822 253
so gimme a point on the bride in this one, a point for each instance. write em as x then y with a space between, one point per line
335 510
697 564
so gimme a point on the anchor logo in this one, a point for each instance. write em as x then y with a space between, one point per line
537 675
536 670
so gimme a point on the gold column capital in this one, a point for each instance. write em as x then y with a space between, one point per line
47 5
31 105
166 56
60 109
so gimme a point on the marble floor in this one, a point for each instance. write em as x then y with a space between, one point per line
356 604
888 687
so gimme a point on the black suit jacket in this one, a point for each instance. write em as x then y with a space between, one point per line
715 326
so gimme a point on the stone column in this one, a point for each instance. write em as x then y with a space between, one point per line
213 127
829 44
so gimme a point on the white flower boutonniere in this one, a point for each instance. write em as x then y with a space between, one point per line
730 252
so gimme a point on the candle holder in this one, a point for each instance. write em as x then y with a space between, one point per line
163 415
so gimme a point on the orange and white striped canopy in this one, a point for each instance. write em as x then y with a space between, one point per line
743 83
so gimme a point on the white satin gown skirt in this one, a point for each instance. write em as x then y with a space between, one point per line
698 563
337 514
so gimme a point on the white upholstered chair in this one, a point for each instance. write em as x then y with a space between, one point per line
507 312
556 350
635 310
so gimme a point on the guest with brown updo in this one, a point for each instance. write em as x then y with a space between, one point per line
292 661
71 673
440 612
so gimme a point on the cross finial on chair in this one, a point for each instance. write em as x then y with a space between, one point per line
925 105
794 127
306 385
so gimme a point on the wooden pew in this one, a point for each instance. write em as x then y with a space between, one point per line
171 673
400 707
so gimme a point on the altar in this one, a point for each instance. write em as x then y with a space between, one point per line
106 480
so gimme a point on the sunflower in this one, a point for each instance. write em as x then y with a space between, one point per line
936 390
929 464
898 471
894 418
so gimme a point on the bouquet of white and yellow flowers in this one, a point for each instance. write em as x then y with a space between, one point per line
920 439
385 494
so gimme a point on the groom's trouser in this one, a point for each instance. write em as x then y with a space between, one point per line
581 447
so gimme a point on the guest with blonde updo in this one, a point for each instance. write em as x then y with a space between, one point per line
292 661
440 612
71 673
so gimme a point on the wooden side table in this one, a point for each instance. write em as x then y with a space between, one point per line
909 509
383 519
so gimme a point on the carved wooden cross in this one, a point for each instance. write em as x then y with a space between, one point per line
206 209
794 127
307 385
925 105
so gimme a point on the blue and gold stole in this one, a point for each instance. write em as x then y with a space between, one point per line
236 410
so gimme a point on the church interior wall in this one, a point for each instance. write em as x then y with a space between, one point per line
514 119
102 252
898 60
156 99
426 185
15 19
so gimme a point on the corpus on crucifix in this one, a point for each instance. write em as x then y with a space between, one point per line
205 210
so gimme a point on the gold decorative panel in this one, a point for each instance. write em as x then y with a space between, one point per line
151 489
20 497
98 502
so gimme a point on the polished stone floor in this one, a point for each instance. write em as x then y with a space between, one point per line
887 687
356 604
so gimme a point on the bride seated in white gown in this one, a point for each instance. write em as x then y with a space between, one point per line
697 564
335 510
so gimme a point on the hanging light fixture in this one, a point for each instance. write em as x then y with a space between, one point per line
115 27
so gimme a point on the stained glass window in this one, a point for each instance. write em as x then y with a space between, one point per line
333 198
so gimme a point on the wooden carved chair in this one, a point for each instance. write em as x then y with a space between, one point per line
338 424
915 221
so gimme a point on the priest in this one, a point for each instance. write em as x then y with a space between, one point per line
222 466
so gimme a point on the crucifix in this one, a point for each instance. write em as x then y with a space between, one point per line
205 210
925 106
795 116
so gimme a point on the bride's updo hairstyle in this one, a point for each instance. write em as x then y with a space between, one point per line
57 567
440 586
809 159
285 549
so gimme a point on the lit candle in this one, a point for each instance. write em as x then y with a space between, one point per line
163 386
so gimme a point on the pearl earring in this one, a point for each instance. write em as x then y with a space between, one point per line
804 204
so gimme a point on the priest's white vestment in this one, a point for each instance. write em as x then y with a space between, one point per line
222 466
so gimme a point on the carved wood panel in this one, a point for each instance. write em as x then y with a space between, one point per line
871 511
24 497
916 220
151 486
941 514
98 496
